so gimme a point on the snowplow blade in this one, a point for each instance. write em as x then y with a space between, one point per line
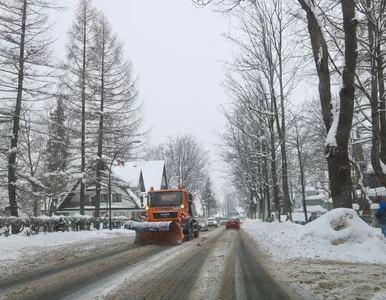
166 232
148 226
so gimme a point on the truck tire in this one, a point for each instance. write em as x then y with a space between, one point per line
197 232
190 235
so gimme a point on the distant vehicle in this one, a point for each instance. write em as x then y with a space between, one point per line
223 221
232 223
212 222
202 224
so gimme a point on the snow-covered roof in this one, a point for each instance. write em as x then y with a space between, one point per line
312 208
316 197
152 173
379 191
298 217
130 172
310 188
134 197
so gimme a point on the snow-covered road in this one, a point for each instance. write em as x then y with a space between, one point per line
316 260
217 265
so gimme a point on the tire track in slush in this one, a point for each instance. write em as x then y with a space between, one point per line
228 290
246 278
210 279
71 278
22 279
256 279
174 282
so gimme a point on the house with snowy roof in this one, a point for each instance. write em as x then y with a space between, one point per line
313 196
130 182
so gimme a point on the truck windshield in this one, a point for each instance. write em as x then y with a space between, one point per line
165 199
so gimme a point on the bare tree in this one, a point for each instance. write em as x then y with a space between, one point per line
337 124
78 69
264 51
249 142
186 162
114 101
25 69
374 45
298 136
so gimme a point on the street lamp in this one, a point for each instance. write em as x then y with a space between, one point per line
111 164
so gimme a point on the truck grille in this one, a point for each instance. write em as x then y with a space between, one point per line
165 215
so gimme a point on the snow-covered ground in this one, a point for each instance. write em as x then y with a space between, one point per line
337 256
20 253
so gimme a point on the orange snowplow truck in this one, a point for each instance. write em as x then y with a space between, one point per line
169 218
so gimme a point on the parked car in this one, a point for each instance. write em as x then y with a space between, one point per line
233 223
212 222
223 221
202 224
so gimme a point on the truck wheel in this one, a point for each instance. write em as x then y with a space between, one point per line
196 233
189 236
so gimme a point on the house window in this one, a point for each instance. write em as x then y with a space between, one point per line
117 198
86 200
104 198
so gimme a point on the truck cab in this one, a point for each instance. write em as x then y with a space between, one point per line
173 205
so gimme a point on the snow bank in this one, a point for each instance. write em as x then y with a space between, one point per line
16 241
339 226
16 246
338 235
19 253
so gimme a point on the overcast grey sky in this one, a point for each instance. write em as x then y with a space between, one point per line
177 51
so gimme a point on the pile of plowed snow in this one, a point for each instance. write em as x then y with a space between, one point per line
339 235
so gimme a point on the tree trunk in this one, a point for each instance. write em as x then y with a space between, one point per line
275 186
320 52
282 131
267 193
100 136
259 148
302 179
83 134
382 109
337 155
12 177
